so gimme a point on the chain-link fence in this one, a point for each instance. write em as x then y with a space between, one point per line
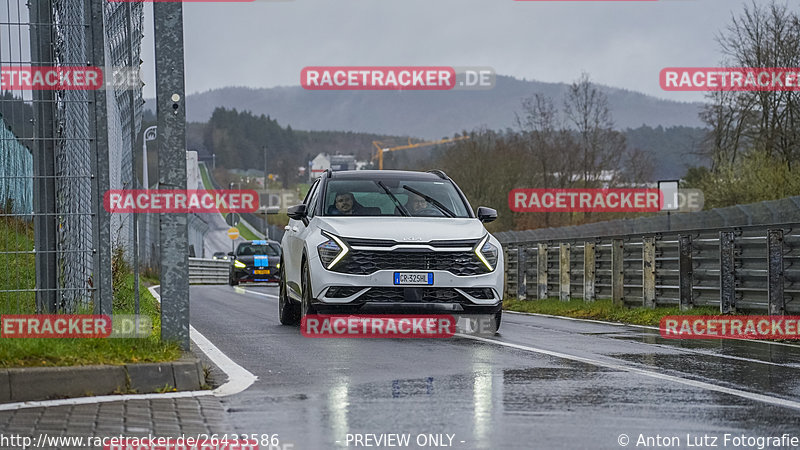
66 147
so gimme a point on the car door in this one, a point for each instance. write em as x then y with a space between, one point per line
293 242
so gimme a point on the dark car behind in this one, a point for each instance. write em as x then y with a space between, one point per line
256 261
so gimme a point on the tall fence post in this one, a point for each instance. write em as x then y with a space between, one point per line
727 274
171 110
98 114
522 262
563 272
44 163
777 303
649 272
685 272
541 271
617 275
588 271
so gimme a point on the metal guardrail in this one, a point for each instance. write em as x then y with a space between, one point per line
208 271
752 268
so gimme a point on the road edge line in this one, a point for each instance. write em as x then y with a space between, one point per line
777 401
620 324
239 378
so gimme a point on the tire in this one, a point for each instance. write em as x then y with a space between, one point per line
306 307
232 282
498 317
288 311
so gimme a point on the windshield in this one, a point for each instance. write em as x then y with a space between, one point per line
394 197
246 249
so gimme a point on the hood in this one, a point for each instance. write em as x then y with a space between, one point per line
250 259
404 229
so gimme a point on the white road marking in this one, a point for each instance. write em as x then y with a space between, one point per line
239 379
648 327
240 290
689 382
670 347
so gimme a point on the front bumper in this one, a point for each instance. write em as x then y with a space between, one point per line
474 292
248 275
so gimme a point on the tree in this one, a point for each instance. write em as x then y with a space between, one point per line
766 122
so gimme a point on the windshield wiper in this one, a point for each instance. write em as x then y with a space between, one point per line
431 200
400 207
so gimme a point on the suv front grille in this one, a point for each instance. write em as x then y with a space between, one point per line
365 262
410 295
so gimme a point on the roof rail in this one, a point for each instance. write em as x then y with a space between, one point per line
439 174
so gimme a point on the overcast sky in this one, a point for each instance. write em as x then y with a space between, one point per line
619 43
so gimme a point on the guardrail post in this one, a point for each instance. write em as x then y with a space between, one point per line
522 262
541 271
563 272
727 275
649 272
777 303
685 272
530 275
617 278
588 271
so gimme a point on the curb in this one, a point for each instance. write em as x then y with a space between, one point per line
46 383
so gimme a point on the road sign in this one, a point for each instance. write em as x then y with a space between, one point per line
233 233
232 219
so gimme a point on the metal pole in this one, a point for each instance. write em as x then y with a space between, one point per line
171 111
98 116
44 168
266 194
131 98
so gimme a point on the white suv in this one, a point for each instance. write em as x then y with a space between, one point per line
388 239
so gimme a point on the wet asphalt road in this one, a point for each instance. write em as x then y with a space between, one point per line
542 383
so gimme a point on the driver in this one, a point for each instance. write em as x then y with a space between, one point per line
345 204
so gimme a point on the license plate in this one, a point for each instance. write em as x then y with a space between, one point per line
413 278
261 272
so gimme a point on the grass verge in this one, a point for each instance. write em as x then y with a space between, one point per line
81 352
603 310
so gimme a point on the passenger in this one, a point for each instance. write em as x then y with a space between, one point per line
416 204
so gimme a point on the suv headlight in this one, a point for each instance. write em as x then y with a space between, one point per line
331 251
487 253
238 264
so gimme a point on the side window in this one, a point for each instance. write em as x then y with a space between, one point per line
311 199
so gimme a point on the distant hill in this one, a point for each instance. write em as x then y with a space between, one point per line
429 114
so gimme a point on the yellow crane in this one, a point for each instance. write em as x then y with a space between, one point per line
380 149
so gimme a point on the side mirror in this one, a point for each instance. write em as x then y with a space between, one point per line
230 253
486 215
297 212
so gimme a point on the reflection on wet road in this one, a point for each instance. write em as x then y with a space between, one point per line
549 383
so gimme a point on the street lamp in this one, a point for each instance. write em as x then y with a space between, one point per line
150 134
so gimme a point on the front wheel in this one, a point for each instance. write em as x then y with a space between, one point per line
498 317
231 281
288 310
306 307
